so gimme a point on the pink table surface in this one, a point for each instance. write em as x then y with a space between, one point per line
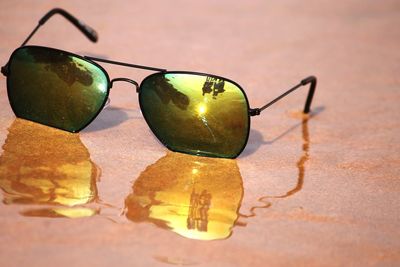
320 193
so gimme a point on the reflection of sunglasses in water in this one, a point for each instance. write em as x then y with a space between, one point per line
195 197
188 112
46 167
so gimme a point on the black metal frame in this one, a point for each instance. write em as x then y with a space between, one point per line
92 35
109 82
201 74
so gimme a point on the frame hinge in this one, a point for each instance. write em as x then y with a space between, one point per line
254 111
4 70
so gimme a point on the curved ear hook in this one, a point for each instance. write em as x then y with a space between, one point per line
85 29
125 80
312 80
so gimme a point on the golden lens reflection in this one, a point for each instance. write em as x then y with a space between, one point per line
55 88
196 114
195 197
46 166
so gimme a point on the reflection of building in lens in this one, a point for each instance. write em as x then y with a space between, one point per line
167 92
42 165
214 85
196 197
64 66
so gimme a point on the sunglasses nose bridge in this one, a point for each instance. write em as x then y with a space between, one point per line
125 80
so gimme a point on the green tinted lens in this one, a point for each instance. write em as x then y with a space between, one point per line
196 114
55 88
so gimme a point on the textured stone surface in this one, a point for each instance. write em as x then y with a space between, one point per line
319 193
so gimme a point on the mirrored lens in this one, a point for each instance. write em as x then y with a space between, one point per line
55 88
196 114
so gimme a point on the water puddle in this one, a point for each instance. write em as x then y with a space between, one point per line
47 167
300 164
196 197
199 197
50 174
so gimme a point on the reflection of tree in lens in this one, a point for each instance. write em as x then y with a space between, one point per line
63 66
214 85
42 165
166 92
199 201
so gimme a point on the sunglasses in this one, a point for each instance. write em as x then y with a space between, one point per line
189 112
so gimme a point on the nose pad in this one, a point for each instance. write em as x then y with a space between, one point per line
126 80
107 103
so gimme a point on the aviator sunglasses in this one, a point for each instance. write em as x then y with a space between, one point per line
189 112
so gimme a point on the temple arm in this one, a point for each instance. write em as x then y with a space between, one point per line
85 29
309 80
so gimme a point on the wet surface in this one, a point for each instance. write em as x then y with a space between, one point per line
45 166
195 197
318 190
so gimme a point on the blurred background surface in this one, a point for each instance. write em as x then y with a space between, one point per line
321 191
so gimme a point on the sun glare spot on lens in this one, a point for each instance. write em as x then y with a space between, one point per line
201 109
101 87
